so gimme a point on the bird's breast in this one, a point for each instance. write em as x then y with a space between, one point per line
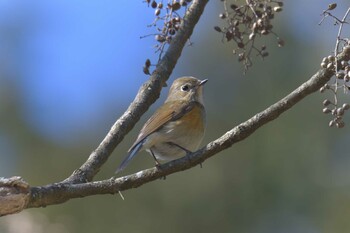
187 132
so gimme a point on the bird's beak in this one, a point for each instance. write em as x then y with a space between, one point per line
203 82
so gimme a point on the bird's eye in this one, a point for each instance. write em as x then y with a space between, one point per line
185 87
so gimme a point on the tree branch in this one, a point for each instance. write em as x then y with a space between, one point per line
146 96
61 192
16 194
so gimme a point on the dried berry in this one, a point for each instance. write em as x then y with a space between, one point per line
157 12
340 75
326 110
330 66
277 9
222 16
241 57
154 4
324 65
326 102
264 32
280 42
331 58
340 124
175 6
229 35
172 31
346 106
233 6
217 28
340 111
148 63
332 6
146 70
183 3
264 53
160 38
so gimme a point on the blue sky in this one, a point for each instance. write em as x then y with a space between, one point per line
74 59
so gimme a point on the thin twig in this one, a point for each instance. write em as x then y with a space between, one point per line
336 49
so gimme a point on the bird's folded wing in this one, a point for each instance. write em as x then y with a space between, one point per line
168 112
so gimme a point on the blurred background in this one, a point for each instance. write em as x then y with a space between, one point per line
69 70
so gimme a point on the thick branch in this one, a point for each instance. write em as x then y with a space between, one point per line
147 95
58 193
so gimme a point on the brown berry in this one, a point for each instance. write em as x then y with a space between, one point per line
240 45
264 32
326 110
340 124
277 9
280 42
264 53
324 65
175 6
326 102
172 31
217 28
233 6
332 6
183 3
340 111
154 4
148 62
346 106
160 38
146 70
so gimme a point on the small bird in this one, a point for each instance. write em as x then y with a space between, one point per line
177 127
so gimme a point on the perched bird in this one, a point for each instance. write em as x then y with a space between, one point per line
177 127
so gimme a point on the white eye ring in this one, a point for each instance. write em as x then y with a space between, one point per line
185 87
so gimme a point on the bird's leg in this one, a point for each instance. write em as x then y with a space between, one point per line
184 149
157 163
154 157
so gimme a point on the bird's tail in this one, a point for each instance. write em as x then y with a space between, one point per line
133 151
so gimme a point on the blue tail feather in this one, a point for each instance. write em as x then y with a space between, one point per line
129 157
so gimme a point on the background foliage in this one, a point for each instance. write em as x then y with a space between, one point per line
68 70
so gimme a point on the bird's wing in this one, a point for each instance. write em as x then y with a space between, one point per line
168 112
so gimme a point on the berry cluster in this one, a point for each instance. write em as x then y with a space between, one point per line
247 22
169 14
171 20
341 81
341 70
